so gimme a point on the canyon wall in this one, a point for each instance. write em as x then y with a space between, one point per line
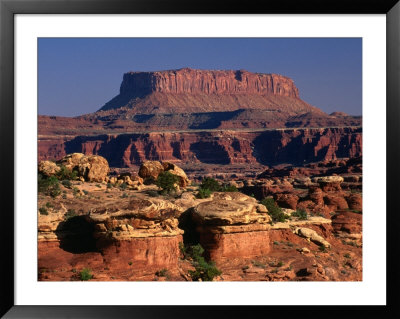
269 147
209 82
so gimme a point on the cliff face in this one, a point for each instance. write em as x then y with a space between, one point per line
189 91
207 82
295 146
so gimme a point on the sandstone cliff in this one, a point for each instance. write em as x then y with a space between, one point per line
270 147
191 81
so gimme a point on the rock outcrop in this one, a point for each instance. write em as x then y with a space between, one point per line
48 168
93 168
311 235
232 225
142 233
151 170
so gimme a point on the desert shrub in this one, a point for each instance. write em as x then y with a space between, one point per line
85 274
152 193
229 188
274 210
76 191
123 186
109 185
43 211
301 214
203 193
66 183
166 181
124 195
206 271
69 214
211 184
65 174
322 248
48 185
162 273
258 264
49 205
85 191
182 249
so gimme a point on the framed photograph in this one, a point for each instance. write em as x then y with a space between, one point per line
167 157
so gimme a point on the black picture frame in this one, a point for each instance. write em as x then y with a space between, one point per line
8 8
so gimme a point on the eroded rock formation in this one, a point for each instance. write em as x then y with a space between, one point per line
221 147
189 91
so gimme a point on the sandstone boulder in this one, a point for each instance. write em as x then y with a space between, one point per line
150 169
234 209
71 161
48 168
136 218
176 170
329 183
93 168
311 235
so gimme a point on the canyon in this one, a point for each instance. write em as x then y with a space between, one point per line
252 133
265 147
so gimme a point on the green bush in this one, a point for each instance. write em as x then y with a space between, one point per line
123 186
274 210
229 188
66 174
109 185
69 214
152 193
85 274
166 181
301 214
206 271
66 183
48 185
203 193
162 273
211 184
43 211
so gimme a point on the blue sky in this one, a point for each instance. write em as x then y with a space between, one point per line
79 75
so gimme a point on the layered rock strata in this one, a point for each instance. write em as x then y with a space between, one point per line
292 146
232 225
139 232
